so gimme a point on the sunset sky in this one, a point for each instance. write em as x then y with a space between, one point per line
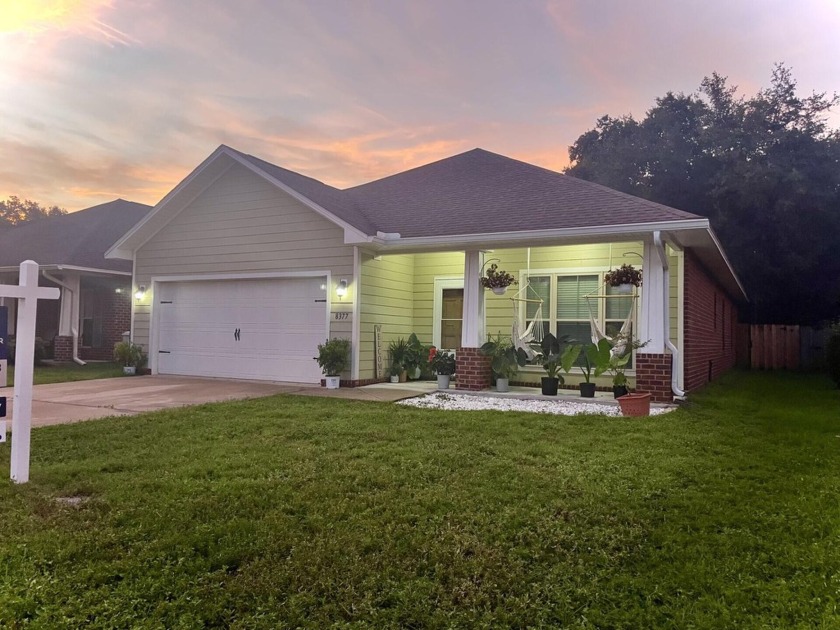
110 98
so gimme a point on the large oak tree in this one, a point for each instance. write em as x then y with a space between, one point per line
16 210
765 170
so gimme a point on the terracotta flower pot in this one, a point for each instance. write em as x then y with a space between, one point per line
635 404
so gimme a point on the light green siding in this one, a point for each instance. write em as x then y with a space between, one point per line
241 224
387 298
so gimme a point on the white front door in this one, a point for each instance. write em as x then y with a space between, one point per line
265 329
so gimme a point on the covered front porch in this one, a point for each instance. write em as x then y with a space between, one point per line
436 295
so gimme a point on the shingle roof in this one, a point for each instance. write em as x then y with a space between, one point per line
483 192
77 239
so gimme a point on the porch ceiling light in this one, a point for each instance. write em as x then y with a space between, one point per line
141 292
341 289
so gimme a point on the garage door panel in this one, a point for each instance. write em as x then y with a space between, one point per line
280 326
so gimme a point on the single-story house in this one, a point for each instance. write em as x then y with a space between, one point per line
244 267
95 306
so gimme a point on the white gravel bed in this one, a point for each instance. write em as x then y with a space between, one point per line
466 402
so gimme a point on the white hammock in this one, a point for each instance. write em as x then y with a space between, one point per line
619 341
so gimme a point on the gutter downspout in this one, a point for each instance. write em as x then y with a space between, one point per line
73 331
675 353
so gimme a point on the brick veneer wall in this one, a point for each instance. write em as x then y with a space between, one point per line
116 320
473 369
63 348
710 324
653 374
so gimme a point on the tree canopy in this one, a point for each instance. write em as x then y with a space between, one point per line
16 210
765 170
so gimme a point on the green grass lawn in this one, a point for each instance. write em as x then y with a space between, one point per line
67 372
297 511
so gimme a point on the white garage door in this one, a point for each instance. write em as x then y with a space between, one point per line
250 329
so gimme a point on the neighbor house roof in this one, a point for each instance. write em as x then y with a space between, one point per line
78 239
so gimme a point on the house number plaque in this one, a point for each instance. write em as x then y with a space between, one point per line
342 316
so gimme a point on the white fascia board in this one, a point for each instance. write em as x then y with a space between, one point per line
350 231
499 239
54 267
725 258
125 247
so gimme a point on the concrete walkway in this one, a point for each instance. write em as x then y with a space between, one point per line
62 403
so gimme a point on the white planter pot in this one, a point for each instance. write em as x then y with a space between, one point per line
129 370
624 288
443 381
395 378
499 290
333 382
502 384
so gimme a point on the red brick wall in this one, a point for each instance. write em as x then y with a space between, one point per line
473 369
63 348
116 309
710 323
653 374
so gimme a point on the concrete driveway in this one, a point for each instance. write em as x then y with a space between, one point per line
62 403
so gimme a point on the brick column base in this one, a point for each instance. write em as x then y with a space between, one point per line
653 374
63 349
473 370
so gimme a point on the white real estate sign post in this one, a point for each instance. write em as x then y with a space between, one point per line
27 294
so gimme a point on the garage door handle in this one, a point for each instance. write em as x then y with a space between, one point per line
236 334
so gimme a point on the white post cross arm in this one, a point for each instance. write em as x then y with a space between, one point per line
27 293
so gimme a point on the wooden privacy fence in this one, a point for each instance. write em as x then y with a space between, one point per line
768 346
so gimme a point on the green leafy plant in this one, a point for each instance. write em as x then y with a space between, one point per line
505 359
333 356
626 274
129 354
605 360
416 354
398 352
494 279
590 359
443 363
552 356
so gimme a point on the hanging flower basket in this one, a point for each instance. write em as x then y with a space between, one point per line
497 281
635 404
624 278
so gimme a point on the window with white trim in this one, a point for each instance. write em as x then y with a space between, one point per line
565 310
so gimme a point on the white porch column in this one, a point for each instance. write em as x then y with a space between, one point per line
472 331
652 324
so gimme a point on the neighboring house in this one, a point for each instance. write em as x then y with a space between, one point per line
245 267
95 306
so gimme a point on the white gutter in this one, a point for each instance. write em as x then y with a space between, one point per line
394 242
73 331
675 352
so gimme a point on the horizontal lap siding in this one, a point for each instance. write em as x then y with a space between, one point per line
427 267
242 224
387 298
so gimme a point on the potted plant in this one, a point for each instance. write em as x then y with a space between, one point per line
394 372
551 360
624 278
505 360
130 356
637 404
587 388
497 281
443 364
398 351
333 357
415 357
608 360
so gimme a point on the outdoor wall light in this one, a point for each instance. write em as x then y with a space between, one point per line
141 291
341 289
118 290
